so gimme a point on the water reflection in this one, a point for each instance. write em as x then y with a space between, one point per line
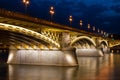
90 68
93 68
24 72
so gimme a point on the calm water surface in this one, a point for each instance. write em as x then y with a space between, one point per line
90 68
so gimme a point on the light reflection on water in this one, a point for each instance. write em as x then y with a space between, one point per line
90 68
17 72
95 68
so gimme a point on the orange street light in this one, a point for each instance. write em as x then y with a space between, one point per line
81 23
93 28
70 19
88 26
26 2
111 35
98 30
52 12
101 31
104 33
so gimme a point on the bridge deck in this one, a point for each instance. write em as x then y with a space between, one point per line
35 23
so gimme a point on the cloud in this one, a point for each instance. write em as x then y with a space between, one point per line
116 8
110 13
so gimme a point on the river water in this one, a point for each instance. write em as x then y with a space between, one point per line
90 68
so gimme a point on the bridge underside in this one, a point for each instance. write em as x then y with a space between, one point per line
24 49
14 40
86 47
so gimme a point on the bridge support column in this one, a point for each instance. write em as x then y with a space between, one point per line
89 52
64 57
65 40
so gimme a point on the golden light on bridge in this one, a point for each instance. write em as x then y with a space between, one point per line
27 32
10 57
69 58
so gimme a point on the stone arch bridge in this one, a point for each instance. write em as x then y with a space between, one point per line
38 42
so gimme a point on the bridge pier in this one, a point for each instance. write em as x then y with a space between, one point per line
106 50
63 57
89 52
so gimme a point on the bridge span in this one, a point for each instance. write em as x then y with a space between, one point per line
39 42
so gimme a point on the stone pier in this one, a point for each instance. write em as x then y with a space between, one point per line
64 57
89 52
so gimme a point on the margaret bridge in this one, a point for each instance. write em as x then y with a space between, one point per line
38 42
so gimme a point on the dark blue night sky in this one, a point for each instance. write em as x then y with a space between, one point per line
103 14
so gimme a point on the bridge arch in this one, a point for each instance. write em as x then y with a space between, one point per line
24 31
82 38
103 42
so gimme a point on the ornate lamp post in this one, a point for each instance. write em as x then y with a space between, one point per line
101 31
98 30
81 23
93 28
88 26
26 2
70 19
111 35
52 12
104 33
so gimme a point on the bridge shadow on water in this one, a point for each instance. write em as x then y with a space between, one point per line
90 68
4 55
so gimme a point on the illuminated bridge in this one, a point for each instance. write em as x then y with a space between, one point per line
34 41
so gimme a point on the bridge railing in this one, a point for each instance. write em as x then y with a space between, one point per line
24 17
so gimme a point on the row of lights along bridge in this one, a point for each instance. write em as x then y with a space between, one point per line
27 2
